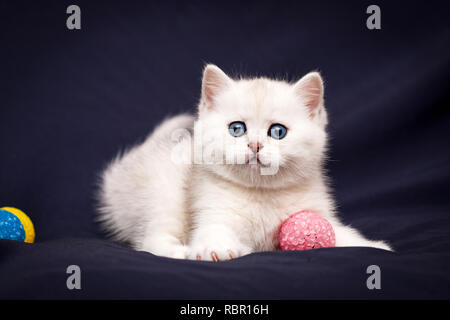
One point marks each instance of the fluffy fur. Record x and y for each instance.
(192, 190)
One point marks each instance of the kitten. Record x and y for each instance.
(219, 185)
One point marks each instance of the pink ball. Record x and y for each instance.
(306, 230)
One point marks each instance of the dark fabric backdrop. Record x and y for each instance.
(70, 100)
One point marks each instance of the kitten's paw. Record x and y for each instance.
(217, 252)
(180, 252)
(175, 251)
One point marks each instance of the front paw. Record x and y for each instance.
(217, 251)
(164, 249)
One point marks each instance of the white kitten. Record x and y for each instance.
(219, 185)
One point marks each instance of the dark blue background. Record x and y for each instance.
(70, 100)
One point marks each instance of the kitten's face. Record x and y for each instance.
(261, 132)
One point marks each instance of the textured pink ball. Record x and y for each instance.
(306, 230)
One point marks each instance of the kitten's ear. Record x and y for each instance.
(310, 90)
(214, 81)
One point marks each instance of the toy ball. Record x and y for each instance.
(15, 225)
(306, 230)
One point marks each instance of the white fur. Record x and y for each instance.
(168, 197)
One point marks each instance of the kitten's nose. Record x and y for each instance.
(255, 147)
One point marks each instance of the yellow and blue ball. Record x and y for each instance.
(15, 225)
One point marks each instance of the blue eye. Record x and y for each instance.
(237, 128)
(277, 131)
